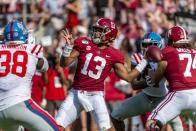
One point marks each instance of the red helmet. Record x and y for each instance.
(177, 34)
(109, 30)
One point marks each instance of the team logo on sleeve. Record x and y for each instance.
(88, 48)
(85, 42)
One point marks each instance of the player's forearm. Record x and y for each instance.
(123, 74)
(132, 75)
(139, 85)
(68, 55)
(128, 76)
(137, 70)
(65, 61)
(156, 78)
(159, 73)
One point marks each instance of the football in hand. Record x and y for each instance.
(154, 54)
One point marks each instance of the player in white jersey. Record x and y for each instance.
(150, 97)
(18, 62)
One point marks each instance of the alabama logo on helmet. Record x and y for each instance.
(177, 34)
(109, 31)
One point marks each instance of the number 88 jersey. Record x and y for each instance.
(17, 66)
(94, 64)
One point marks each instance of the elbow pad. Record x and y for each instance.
(45, 65)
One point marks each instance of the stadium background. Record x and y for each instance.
(45, 20)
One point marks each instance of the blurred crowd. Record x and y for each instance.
(45, 20)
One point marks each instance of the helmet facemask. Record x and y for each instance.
(95, 30)
(102, 35)
(146, 45)
(149, 39)
(107, 30)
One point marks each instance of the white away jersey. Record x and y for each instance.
(151, 91)
(154, 91)
(17, 66)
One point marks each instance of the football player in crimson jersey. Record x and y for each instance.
(150, 97)
(178, 67)
(96, 58)
(18, 62)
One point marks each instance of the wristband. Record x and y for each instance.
(140, 67)
(67, 50)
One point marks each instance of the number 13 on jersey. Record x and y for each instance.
(99, 68)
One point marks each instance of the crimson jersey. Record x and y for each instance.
(37, 87)
(94, 64)
(55, 88)
(180, 71)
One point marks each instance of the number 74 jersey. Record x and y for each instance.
(181, 69)
(94, 64)
(17, 66)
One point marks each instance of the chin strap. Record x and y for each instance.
(97, 41)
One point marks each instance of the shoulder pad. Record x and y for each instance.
(167, 49)
(81, 42)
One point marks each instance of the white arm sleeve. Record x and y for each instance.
(45, 65)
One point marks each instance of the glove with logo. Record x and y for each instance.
(149, 81)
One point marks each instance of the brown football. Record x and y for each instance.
(154, 54)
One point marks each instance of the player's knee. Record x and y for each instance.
(116, 120)
(113, 119)
(156, 126)
(118, 124)
(112, 115)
